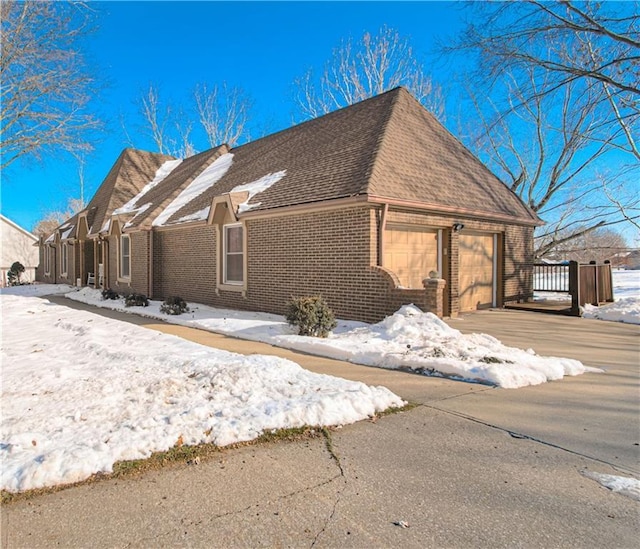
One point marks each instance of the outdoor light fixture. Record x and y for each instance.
(457, 227)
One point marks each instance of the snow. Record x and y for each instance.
(409, 339)
(67, 232)
(626, 293)
(36, 290)
(80, 392)
(160, 175)
(625, 486)
(256, 187)
(209, 177)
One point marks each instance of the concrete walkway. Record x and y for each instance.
(472, 466)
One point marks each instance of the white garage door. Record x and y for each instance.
(411, 253)
(477, 271)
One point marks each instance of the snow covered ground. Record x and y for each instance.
(409, 339)
(79, 393)
(626, 307)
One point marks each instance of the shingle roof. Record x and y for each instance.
(131, 172)
(387, 146)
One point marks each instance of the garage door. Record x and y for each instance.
(411, 253)
(477, 257)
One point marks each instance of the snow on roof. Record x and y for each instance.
(209, 177)
(66, 233)
(161, 174)
(106, 226)
(256, 187)
(200, 215)
(51, 237)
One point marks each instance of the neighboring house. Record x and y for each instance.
(359, 205)
(18, 244)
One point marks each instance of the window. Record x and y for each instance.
(125, 256)
(233, 254)
(63, 259)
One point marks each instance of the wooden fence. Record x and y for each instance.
(586, 283)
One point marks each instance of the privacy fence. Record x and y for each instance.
(586, 283)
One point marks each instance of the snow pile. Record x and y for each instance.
(84, 393)
(625, 486)
(422, 342)
(408, 339)
(624, 310)
(256, 187)
(209, 177)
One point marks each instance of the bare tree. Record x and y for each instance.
(157, 119)
(223, 112)
(562, 124)
(596, 245)
(552, 153)
(53, 219)
(369, 67)
(46, 84)
(594, 43)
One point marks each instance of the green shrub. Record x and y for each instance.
(108, 293)
(174, 305)
(311, 315)
(14, 274)
(136, 300)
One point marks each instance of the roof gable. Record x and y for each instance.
(132, 171)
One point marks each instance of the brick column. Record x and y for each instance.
(434, 299)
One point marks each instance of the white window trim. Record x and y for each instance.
(122, 277)
(64, 259)
(234, 283)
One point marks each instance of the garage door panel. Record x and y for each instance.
(411, 253)
(476, 265)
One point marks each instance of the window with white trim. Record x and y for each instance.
(125, 256)
(233, 254)
(63, 258)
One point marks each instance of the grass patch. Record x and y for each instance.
(181, 454)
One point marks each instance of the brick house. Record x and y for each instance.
(360, 205)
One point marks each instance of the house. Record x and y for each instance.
(18, 244)
(371, 206)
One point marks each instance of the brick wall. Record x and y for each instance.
(184, 263)
(333, 253)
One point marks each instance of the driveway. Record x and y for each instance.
(471, 466)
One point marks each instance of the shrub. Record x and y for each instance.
(14, 273)
(311, 315)
(174, 305)
(108, 293)
(136, 300)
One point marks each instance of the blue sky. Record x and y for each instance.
(262, 47)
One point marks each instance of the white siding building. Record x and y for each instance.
(17, 245)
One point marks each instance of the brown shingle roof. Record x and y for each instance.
(388, 146)
(131, 172)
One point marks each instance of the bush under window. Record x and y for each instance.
(136, 300)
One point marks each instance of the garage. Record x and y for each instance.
(477, 267)
(411, 253)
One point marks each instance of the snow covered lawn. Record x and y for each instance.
(409, 339)
(626, 307)
(80, 392)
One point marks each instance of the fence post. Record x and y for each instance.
(609, 275)
(596, 281)
(574, 287)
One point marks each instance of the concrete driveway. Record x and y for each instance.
(471, 466)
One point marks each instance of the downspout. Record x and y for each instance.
(383, 226)
(150, 266)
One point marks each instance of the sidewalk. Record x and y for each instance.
(450, 467)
